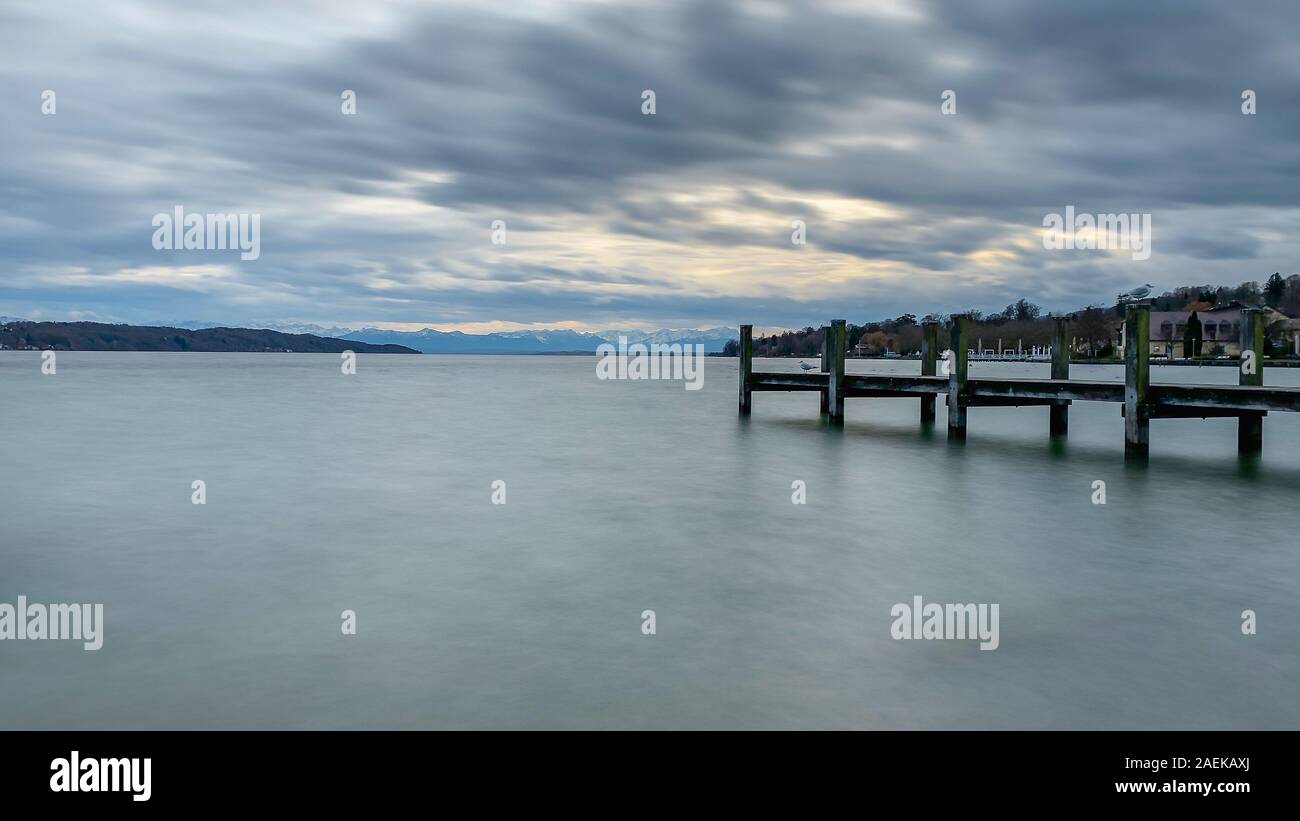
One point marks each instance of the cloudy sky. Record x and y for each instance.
(531, 113)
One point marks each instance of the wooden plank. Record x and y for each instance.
(1137, 381)
(1010, 402)
(1232, 397)
(1083, 390)
(888, 393)
(1181, 412)
(896, 382)
(788, 381)
(1240, 397)
(929, 366)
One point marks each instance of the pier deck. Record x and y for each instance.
(1139, 400)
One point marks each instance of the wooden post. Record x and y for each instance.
(1137, 379)
(929, 363)
(1250, 426)
(746, 366)
(835, 384)
(957, 373)
(826, 368)
(1060, 421)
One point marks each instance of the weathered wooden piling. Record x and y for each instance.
(746, 366)
(825, 367)
(1060, 410)
(929, 363)
(1137, 381)
(1250, 426)
(957, 376)
(836, 342)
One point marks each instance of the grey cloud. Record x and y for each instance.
(1112, 107)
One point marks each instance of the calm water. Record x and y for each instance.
(372, 492)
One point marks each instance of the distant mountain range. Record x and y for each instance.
(430, 340)
(299, 337)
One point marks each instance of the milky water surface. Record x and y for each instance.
(373, 492)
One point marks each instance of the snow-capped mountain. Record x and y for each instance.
(539, 341)
(711, 338)
(430, 340)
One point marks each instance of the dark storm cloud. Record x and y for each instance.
(766, 113)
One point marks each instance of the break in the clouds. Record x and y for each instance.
(531, 113)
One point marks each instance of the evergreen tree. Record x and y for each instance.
(1192, 337)
(1274, 289)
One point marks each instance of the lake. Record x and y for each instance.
(373, 493)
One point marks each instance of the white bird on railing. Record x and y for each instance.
(1137, 294)
(806, 366)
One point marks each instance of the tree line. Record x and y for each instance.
(1094, 328)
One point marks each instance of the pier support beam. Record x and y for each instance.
(836, 341)
(1137, 381)
(929, 363)
(825, 368)
(1060, 421)
(1250, 427)
(746, 366)
(957, 375)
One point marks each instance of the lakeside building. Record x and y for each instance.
(1220, 330)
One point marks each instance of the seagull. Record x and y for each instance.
(1137, 294)
(805, 365)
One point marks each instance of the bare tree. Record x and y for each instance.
(1093, 326)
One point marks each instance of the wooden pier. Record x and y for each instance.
(1139, 400)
